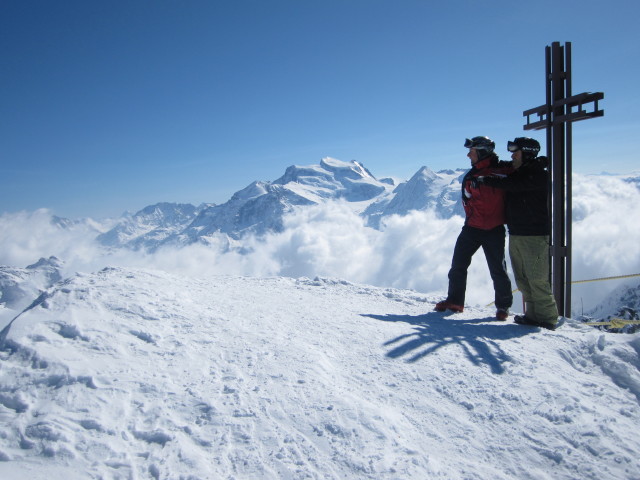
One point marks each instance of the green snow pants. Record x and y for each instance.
(530, 263)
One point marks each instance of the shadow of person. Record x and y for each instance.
(432, 331)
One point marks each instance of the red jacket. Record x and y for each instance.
(484, 205)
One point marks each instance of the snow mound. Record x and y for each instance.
(141, 374)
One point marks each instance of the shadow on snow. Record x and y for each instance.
(432, 331)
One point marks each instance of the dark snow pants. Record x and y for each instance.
(468, 243)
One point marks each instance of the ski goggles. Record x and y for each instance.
(512, 146)
(479, 143)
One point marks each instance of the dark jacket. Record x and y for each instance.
(526, 201)
(484, 204)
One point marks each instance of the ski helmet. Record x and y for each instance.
(483, 145)
(529, 146)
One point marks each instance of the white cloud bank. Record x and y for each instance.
(413, 251)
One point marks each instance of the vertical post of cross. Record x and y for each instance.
(560, 177)
(557, 116)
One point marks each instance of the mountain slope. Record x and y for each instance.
(20, 286)
(426, 189)
(141, 374)
(261, 206)
(333, 179)
(255, 209)
(622, 303)
(150, 226)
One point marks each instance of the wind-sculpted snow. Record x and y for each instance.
(130, 373)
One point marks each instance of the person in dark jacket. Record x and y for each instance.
(483, 227)
(528, 222)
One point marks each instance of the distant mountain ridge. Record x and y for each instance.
(149, 226)
(261, 206)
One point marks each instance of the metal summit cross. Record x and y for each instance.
(557, 116)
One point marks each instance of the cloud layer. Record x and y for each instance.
(329, 240)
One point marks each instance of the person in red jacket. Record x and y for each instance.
(483, 227)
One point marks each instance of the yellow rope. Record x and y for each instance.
(590, 280)
(608, 278)
(615, 323)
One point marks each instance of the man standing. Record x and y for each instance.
(483, 227)
(528, 222)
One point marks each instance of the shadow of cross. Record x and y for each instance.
(432, 331)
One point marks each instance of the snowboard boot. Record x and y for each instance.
(524, 320)
(447, 305)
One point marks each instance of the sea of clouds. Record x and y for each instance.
(330, 240)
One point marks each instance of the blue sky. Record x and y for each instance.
(112, 106)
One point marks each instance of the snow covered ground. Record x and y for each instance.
(136, 374)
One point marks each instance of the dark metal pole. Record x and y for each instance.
(558, 175)
(547, 79)
(569, 180)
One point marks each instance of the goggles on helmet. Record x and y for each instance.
(480, 143)
(527, 145)
(513, 147)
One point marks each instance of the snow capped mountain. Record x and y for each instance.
(426, 189)
(261, 206)
(256, 209)
(128, 373)
(20, 286)
(623, 303)
(149, 226)
(333, 179)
